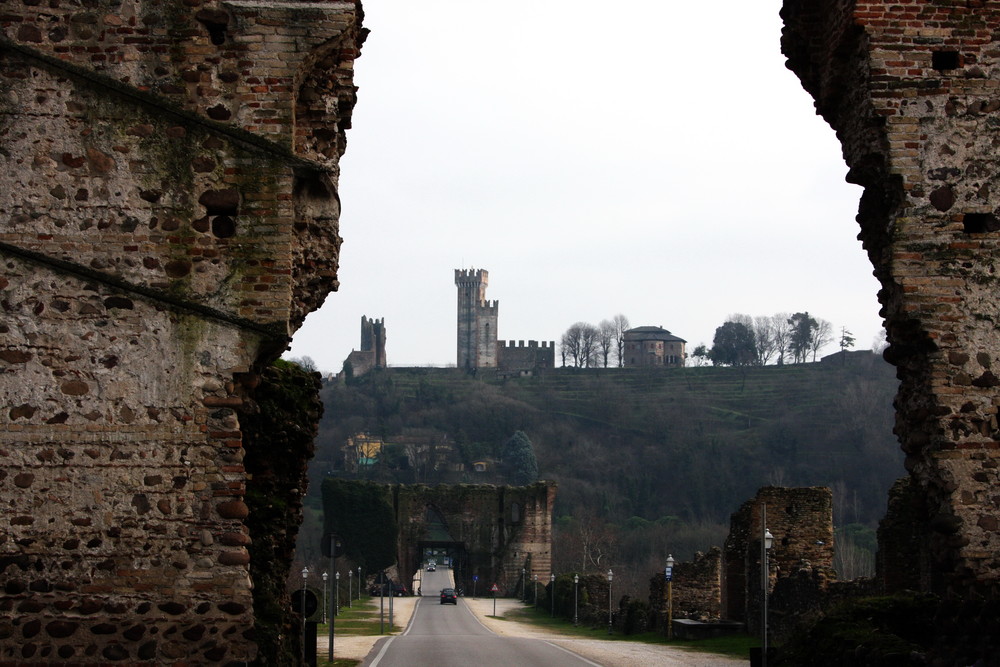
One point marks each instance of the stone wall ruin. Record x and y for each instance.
(168, 216)
(913, 90)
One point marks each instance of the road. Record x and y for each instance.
(444, 635)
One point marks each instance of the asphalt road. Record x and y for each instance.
(445, 635)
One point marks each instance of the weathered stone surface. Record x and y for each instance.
(127, 303)
(911, 91)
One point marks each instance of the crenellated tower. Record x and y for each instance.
(477, 321)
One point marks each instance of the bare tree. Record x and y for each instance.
(822, 336)
(306, 363)
(606, 340)
(581, 343)
(589, 345)
(763, 332)
(880, 342)
(571, 343)
(782, 335)
(621, 326)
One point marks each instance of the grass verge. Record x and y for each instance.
(736, 646)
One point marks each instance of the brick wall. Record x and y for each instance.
(912, 91)
(801, 522)
(169, 216)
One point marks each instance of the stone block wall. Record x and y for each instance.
(913, 92)
(801, 522)
(500, 529)
(696, 589)
(534, 357)
(168, 216)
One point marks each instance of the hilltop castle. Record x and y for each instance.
(478, 346)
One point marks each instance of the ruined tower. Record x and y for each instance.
(912, 92)
(372, 352)
(477, 321)
(373, 340)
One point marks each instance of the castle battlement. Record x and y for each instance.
(472, 277)
(531, 343)
(489, 307)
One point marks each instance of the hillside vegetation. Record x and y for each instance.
(637, 448)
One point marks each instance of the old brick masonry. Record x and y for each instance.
(168, 216)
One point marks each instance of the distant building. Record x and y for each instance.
(372, 352)
(653, 347)
(361, 452)
(478, 346)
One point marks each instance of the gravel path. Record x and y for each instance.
(605, 653)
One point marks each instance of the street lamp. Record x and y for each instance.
(359, 582)
(336, 599)
(535, 578)
(305, 576)
(552, 594)
(611, 575)
(524, 595)
(331, 628)
(668, 574)
(576, 599)
(324, 597)
(766, 542)
(350, 592)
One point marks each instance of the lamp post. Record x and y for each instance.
(305, 576)
(359, 582)
(552, 595)
(350, 592)
(324, 597)
(611, 575)
(535, 579)
(576, 599)
(336, 598)
(331, 628)
(767, 539)
(524, 593)
(668, 574)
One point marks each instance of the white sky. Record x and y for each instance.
(644, 157)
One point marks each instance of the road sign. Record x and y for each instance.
(494, 588)
(475, 577)
(669, 573)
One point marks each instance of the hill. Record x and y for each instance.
(689, 444)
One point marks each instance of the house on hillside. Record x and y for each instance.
(361, 452)
(653, 347)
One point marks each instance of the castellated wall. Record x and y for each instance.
(516, 356)
(913, 90)
(168, 216)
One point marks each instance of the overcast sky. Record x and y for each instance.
(642, 157)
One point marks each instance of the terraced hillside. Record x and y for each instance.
(689, 443)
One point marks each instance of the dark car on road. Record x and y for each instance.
(449, 596)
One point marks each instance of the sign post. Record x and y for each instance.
(494, 589)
